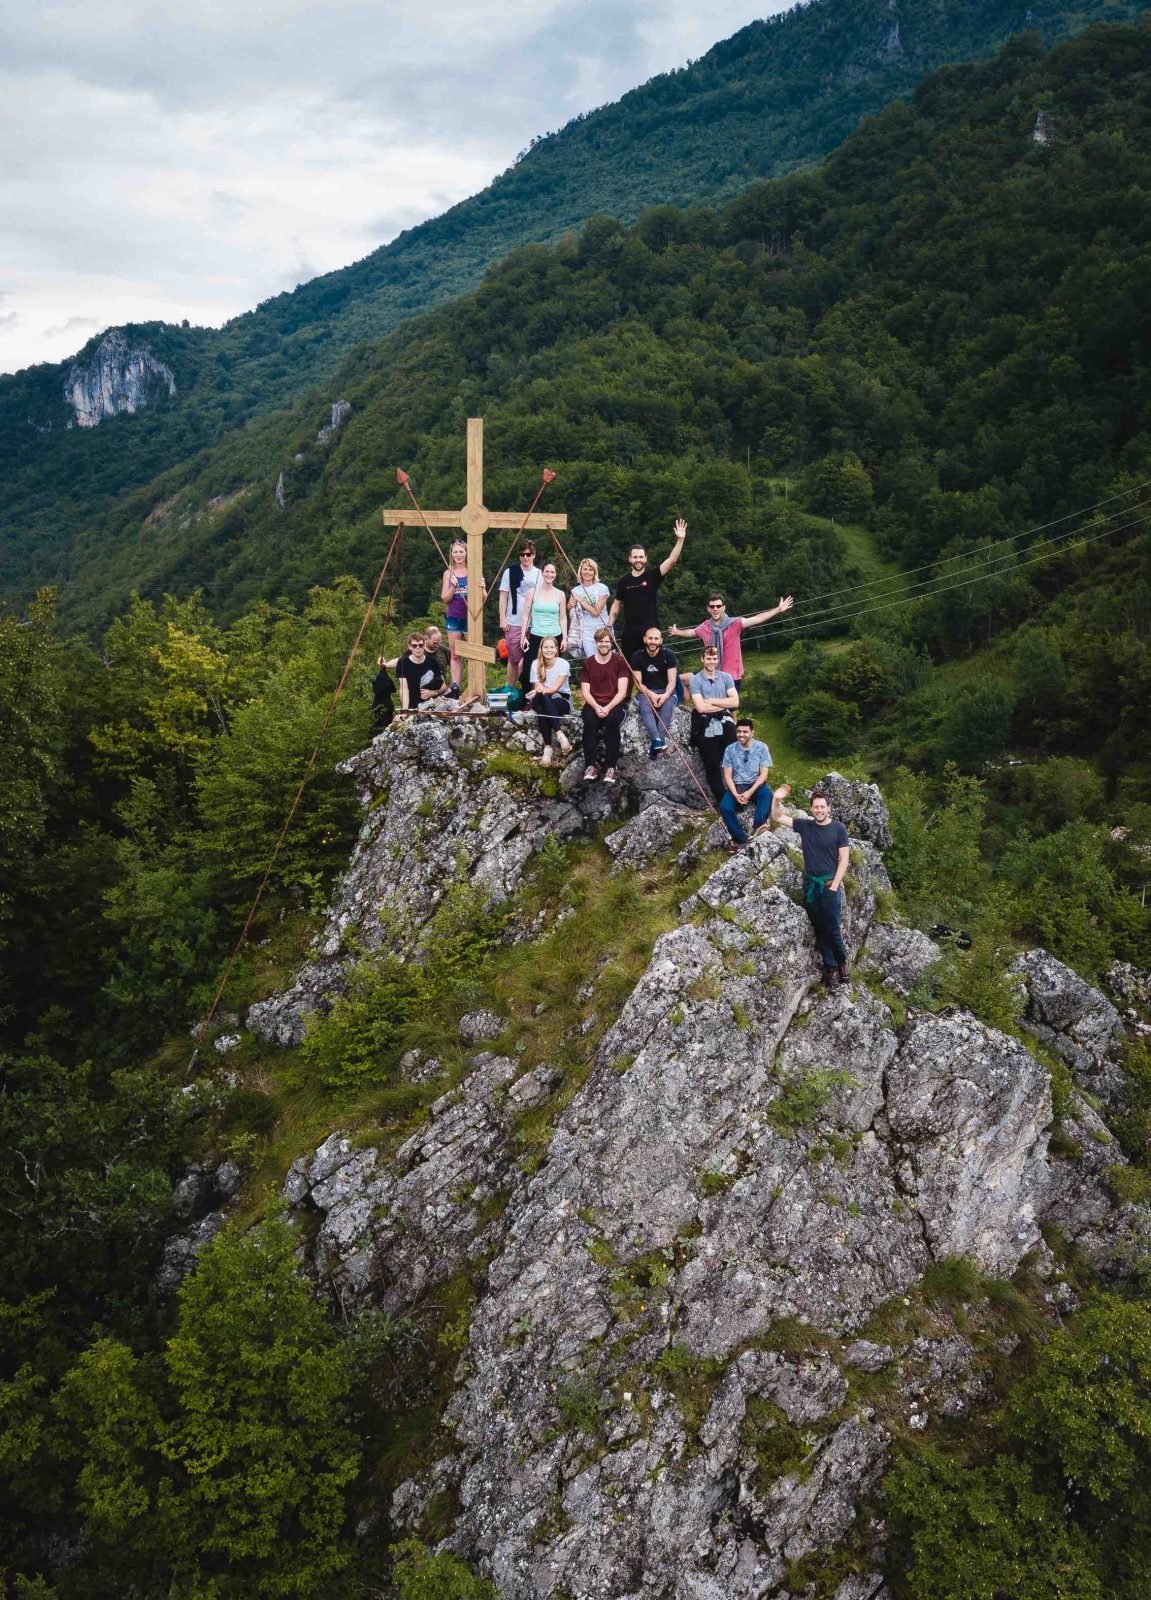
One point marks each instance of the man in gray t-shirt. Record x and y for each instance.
(715, 701)
(826, 858)
(746, 769)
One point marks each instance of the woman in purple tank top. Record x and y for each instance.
(454, 594)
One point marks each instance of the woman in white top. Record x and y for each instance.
(588, 607)
(550, 698)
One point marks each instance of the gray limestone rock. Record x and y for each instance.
(1079, 1023)
(478, 1026)
(866, 1356)
(118, 377)
(652, 834)
(967, 1107)
(181, 1250)
(340, 411)
(903, 955)
(748, 1154)
(440, 810)
(390, 1230)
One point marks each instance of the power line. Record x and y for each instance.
(980, 561)
(898, 577)
(972, 577)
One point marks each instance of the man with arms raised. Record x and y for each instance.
(746, 770)
(726, 632)
(826, 858)
(605, 682)
(638, 594)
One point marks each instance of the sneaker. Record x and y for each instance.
(590, 774)
(652, 751)
(609, 775)
(658, 746)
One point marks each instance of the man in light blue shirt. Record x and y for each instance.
(746, 768)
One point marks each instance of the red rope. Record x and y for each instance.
(312, 759)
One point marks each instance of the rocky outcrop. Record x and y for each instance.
(118, 377)
(1075, 1020)
(902, 955)
(452, 800)
(702, 1312)
(339, 414)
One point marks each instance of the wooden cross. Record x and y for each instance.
(475, 519)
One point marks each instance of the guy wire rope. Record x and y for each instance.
(308, 769)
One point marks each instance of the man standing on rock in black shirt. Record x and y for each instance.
(638, 594)
(826, 858)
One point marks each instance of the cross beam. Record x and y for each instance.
(475, 520)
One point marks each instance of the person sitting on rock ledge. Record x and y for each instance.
(746, 770)
(655, 671)
(550, 698)
(826, 858)
(420, 679)
(605, 683)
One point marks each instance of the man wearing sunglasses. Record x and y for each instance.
(725, 632)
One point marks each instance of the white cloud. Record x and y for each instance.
(188, 158)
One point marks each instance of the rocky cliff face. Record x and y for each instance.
(118, 377)
(703, 1320)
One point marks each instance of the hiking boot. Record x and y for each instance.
(828, 977)
(610, 775)
(590, 774)
(844, 975)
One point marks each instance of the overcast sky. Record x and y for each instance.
(189, 158)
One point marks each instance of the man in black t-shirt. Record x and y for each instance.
(420, 679)
(638, 594)
(826, 858)
(655, 672)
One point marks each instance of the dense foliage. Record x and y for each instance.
(777, 96)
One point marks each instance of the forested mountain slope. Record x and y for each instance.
(776, 96)
(941, 331)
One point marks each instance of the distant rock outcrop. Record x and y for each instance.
(340, 412)
(118, 377)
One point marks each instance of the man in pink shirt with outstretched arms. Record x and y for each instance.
(725, 632)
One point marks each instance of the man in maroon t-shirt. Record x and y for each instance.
(605, 683)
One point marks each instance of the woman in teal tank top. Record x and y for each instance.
(545, 617)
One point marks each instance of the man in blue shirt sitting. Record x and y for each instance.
(746, 769)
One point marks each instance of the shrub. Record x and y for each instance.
(822, 724)
(419, 1575)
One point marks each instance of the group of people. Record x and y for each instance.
(619, 644)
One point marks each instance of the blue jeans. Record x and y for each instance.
(729, 811)
(657, 723)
